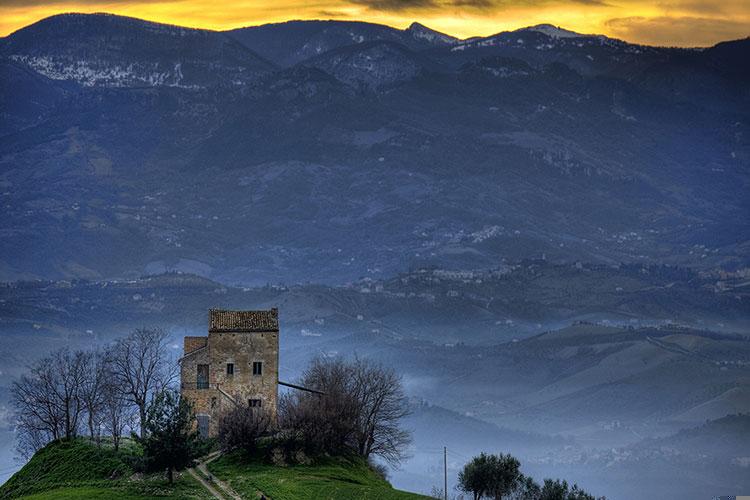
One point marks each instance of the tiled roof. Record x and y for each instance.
(220, 320)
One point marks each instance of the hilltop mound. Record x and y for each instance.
(64, 463)
(80, 469)
(335, 478)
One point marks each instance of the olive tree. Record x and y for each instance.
(494, 476)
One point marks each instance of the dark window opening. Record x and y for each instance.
(202, 377)
(254, 403)
(230, 368)
(257, 368)
(203, 421)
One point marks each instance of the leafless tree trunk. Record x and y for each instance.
(92, 389)
(141, 364)
(62, 376)
(117, 410)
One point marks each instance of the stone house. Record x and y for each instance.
(236, 364)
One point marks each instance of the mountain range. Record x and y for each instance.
(326, 151)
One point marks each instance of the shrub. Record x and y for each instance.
(241, 427)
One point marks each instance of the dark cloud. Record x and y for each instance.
(683, 31)
(480, 5)
(502, 4)
(112, 4)
(398, 5)
(474, 4)
(329, 14)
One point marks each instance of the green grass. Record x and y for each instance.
(335, 479)
(184, 487)
(80, 469)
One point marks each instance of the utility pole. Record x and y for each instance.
(445, 472)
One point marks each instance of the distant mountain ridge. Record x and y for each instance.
(291, 42)
(119, 51)
(328, 151)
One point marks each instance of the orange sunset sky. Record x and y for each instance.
(656, 22)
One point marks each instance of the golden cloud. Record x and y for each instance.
(665, 22)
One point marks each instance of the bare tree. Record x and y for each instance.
(360, 410)
(116, 412)
(322, 423)
(96, 371)
(62, 376)
(38, 419)
(141, 364)
(48, 402)
(241, 427)
(382, 405)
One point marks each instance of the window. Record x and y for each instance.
(202, 382)
(203, 422)
(257, 367)
(213, 402)
(230, 368)
(253, 403)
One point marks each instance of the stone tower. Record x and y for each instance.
(236, 364)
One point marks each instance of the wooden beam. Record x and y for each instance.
(300, 388)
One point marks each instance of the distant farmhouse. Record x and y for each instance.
(236, 364)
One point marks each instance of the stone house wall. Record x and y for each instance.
(241, 349)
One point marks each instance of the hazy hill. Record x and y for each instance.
(710, 459)
(250, 156)
(433, 305)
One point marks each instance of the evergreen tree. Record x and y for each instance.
(171, 441)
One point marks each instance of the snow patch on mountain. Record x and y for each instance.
(94, 73)
(503, 71)
(554, 31)
(422, 32)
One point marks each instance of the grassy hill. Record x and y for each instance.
(332, 479)
(79, 469)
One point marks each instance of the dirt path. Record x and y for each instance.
(213, 480)
(205, 484)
